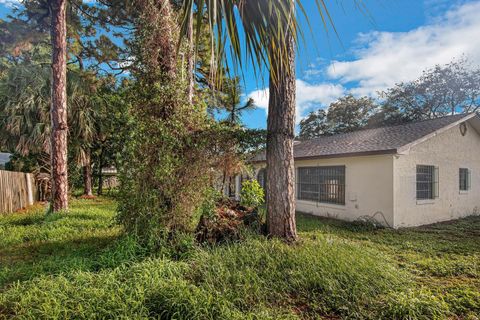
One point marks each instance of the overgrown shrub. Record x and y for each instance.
(252, 194)
(169, 163)
(165, 170)
(175, 148)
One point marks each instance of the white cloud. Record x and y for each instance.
(261, 98)
(10, 3)
(309, 96)
(391, 57)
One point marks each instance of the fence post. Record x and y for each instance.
(29, 188)
(17, 190)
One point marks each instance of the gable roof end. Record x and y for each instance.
(466, 117)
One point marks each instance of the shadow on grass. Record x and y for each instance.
(83, 239)
(29, 260)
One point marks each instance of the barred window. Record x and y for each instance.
(464, 179)
(321, 184)
(427, 182)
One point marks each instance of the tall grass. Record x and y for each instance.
(80, 265)
(257, 277)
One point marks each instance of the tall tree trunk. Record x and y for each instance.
(166, 37)
(158, 48)
(280, 192)
(87, 175)
(100, 174)
(58, 111)
(191, 60)
(100, 183)
(232, 114)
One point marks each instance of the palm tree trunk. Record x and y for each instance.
(58, 111)
(87, 175)
(280, 193)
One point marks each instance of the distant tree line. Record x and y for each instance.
(439, 91)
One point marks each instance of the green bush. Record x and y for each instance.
(252, 194)
(209, 204)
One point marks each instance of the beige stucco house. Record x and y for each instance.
(405, 175)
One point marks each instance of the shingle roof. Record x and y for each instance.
(382, 140)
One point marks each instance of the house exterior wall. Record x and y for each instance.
(449, 151)
(368, 188)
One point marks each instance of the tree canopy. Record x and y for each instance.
(439, 91)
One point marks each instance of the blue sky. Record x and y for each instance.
(404, 38)
(393, 43)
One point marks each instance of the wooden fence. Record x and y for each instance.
(17, 190)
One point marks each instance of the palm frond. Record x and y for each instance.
(25, 109)
(255, 30)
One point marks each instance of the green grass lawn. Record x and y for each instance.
(80, 265)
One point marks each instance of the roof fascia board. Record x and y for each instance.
(342, 155)
(351, 154)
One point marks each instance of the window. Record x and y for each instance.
(321, 184)
(465, 179)
(262, 178)
(427, 182)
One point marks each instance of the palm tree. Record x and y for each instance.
(270, 30)
(83, 123)
(24, 108)
(25, 102)
(59, 105)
